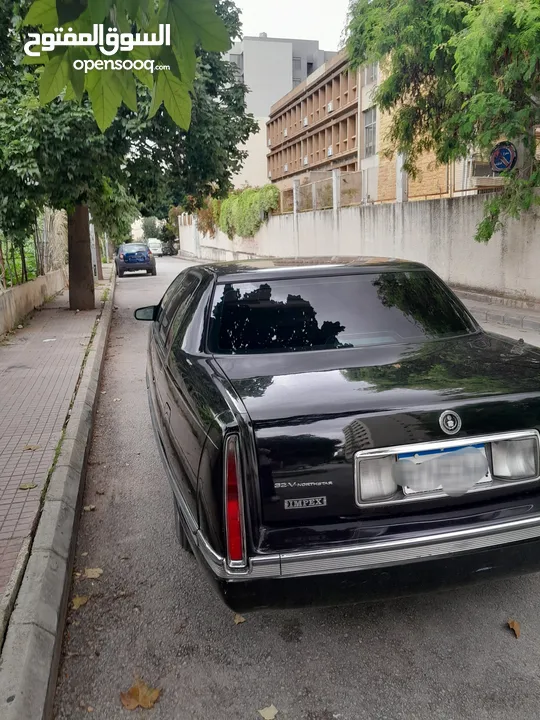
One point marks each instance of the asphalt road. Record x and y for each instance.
(153, 613)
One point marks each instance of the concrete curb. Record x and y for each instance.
(32, 648)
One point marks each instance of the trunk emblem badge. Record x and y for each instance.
(450, 422)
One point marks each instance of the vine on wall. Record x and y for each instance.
(242, 213)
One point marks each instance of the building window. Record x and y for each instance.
(370, 132)
(370, 73)
(297, 64)
(309, 68)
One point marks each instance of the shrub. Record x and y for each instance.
(243, 213)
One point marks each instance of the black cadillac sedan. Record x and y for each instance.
(340, 430)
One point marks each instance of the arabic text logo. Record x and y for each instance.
(109, 43)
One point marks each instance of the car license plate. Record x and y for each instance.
(461, 469)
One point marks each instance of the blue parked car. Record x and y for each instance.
(134, 257)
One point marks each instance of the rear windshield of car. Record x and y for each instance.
(131, 248)
(324, 313)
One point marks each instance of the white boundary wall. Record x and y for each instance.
(439, 233)
(20, 300)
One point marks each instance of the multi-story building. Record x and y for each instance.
(330, 121)
(270, 67)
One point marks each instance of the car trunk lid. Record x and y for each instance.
(312, 412)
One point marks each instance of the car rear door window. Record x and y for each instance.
(324, 313)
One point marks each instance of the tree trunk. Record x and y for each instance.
(110, 249)
(24, 269)
(2, 268)
(98, 256)
(81, 276)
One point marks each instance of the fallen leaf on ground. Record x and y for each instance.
(93, 573)
(50, 340)
(27, 486)
(19, 327)
(89, 508)
(103, 392)
(397, 366)
(140, 695)
(77, 574)
(100, 492)
(90, 708)
(79, 601)
(116, 400)
(238, 619)
(269, 713)
(32, 448)
(84, 554)
(515, 626)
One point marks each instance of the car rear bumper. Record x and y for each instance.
(376, 570)
(134, 267)
(373, 584)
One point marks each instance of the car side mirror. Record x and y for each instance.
(147, 314)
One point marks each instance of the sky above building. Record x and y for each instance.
(303, 19)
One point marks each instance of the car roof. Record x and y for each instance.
(267, 268)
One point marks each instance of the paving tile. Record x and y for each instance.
(35, 401)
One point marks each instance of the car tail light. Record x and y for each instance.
(515, 459)
(236, 546)
(149, 252)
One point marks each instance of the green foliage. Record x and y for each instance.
(194, 24)
(55, 155)
(243, 213)
(113, 210)
(150, 227)
(172, 167)
(460, 75)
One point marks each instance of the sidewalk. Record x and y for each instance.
(39, 369)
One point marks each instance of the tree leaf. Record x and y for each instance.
(99, 9)
(69, 10)
(203, 21)
(105, 94)
(93, 573)
(129, 89)
(158, 95)
(515, 626)
(177, 99)
(42, 13)
(79, 601)
(77, 77)
(70, 93)
(269, 713)
(54, 79)
(140, 695)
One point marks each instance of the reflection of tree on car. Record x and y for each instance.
(462, 363)
(264, 324)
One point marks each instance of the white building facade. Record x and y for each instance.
(271, 68)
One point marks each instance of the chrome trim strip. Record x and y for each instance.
(400, 551)
(377, 554)
(377, 453)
